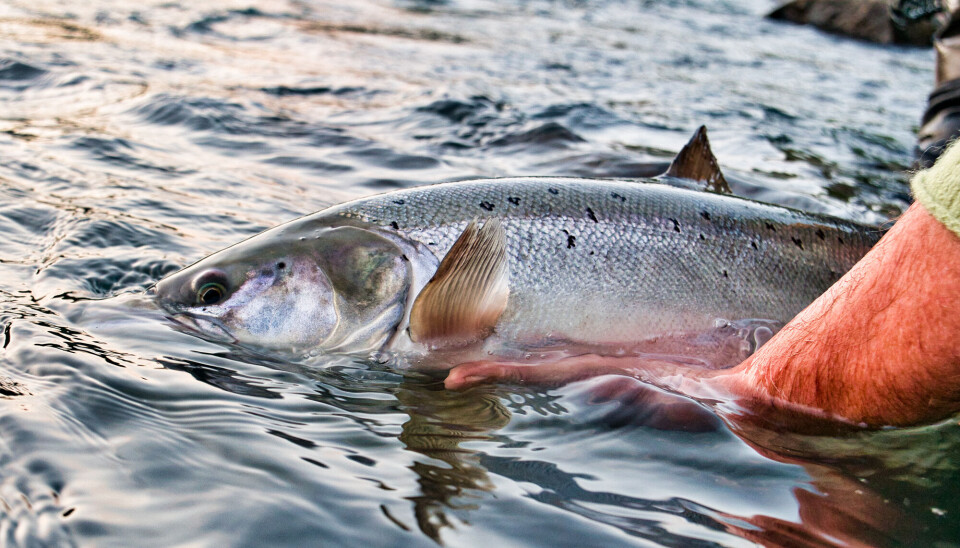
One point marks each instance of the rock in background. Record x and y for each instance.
(861, 19)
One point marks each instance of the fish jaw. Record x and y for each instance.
(208, 327)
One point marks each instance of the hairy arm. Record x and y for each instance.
(880, 346)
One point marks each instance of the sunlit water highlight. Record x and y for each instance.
(138, 137)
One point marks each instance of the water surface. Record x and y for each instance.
(137, 137)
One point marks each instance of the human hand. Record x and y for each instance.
(560, 372)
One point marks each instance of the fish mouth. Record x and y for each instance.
(204, 326)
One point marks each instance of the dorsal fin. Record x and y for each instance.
(465, 298)
(697, 162)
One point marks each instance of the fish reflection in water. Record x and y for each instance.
(833, 506)
(440, 421)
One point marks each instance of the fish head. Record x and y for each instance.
(339, 288)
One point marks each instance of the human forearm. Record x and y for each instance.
(880, 347)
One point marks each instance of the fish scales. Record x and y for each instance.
(609, 262)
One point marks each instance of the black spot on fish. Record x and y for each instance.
(399, 202)
(571, 240)
(616, 196)
(591, 215)
(553, 191)
(725, 275)
(702, 237)
(281, 265)
(754, 245)
(705, 215)
(591, 252)
(797, 241)
(839, 239)
(771, 227)
(676, 225)
(514, 200)
(820, 234)
(487, 205)
(394, 225)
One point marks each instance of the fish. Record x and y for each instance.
(524, 268)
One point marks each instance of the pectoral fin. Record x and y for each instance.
(697, 163)
(465, 298)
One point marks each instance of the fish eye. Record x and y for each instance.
(211, 293)
(212, 287)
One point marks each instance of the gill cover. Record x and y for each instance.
(371, 279)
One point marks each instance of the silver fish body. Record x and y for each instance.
(597, 263)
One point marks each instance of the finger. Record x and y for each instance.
(557, 373)
(474, 373)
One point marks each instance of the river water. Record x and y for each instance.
(137, 137)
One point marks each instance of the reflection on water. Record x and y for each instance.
(136, 138)
(440, 421)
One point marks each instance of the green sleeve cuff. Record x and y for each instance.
(938, 188)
